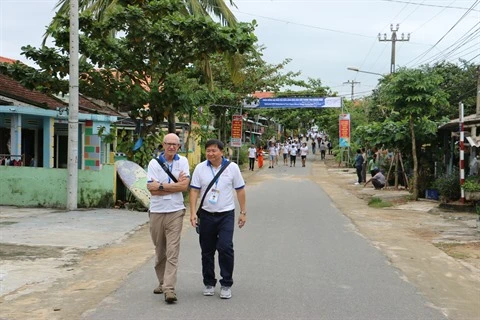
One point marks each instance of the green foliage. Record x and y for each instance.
(142, 64)
(472, 184)
(376, 202)
(459, 83)
(143, 155)
(448, 187)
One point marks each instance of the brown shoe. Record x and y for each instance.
(158, 290)
(170, 297)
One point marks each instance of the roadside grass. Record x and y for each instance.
(376, 202)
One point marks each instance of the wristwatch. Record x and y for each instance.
(243, 212)
(160, 187)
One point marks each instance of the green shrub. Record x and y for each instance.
(472, 184)
(378, 203)
(448, 187)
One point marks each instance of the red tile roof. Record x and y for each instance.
(6, 60)
(263, 94)
(14, 90)
(89, 106)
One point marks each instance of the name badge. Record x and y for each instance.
(214, 194)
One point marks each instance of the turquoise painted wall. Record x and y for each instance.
(43, 187)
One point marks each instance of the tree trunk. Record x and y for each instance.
(415, 161)
(187, 138)
(171, 122)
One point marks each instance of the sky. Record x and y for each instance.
(322, 38)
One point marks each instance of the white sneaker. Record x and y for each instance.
(225, 293)
(209, 291)
(356, 183)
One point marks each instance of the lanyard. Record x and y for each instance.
(170, 167)
(213, 174)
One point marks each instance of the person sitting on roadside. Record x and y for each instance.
(378, 180)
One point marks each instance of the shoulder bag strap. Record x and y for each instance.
(167, 170)
(212, 182)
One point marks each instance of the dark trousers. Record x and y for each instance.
(359, 174)
(216, 234)
(251, 163)
(377, 184)
(293, 159)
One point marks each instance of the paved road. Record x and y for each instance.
(298, 257)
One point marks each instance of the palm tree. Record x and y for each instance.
(212, 8)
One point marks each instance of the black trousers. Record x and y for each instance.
(251, 163)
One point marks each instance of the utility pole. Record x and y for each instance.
(393, 39)
(478, 91)
(353, 85)
(72, 166)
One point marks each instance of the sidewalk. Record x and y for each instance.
(36, 242)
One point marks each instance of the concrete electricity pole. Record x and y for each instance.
(478, 91)
(353, 85)
(393, 39)
(72, 165)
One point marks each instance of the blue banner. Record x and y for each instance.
(295, 103)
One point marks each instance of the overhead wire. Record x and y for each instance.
(428, 5)
(457, 45)
(421, 56)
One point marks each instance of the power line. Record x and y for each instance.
(303, 25)
(421, 56)
(426, 5)
(461, 42)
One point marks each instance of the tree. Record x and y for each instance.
(155, 42)
(460, 83)
(100, 8)
(414, 94)
(230, 91)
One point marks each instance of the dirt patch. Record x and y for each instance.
(457, 249)
(21, 252)
(469, 252)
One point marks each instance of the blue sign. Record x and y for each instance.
(295, 103)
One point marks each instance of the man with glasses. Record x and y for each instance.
(166, 212)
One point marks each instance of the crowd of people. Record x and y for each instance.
(289, 151)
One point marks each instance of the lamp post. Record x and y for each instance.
(358, 70)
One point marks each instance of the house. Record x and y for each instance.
(34, 148)
(450, 133)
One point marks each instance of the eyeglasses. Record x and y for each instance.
(168, 144)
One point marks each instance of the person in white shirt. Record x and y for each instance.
(252, 155)
(217, 215)
(285, 154)
(277, 152)
(166, 212)
(272, 152)
(303, 153)
(293, 154)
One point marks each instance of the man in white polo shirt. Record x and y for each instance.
(217, 215)
(166, 212)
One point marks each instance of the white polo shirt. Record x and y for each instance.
(252, 152)
(174, 201)
(231, 178)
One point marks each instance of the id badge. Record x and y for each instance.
(213, 198)
(167, 197)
